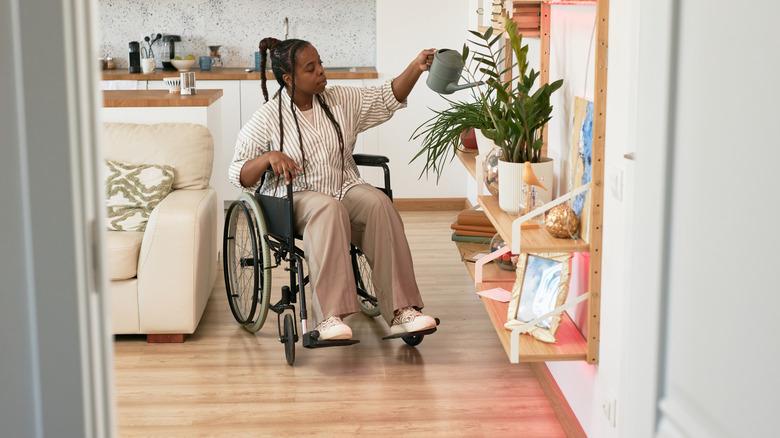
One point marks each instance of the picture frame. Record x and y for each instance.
(542, 285)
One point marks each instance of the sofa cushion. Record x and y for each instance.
(132, 192)
(123, 249)
(187, 147)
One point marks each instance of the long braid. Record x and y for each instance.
(340, 135)
(283, 62)
(294, 49)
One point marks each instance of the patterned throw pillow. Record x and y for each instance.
(132, 192)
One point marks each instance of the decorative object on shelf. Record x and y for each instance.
(183, 64)
(507, 261)
(216, 58)
(469, 139)
(134, 57)
(204, 62)
(562, 222)
(530, 183)
(173, 84)
(110, 64)
(187, 83)
(541, 287)
(581, 157)
(490, 169)
(147, 65)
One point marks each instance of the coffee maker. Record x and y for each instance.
(134, 58)
(169, 50)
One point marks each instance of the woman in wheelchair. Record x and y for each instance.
(304, 137)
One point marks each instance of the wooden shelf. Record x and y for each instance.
(469, 160)
(534, 240)
(570, 344)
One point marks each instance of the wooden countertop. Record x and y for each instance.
(226, 74)
(157, 98)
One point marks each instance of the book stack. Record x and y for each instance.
(472, 226)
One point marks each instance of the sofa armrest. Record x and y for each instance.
(177, 265)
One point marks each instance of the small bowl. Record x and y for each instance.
(173, 84)
(183, 64)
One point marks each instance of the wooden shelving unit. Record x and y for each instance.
(533, 18)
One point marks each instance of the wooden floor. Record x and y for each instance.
(224, 381)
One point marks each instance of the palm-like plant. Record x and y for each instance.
(505, 110)
(518, 117)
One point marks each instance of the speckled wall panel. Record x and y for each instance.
(344, 31)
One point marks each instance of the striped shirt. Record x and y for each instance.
(356, 109)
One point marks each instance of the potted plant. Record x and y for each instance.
(517, 113)
(506, 113)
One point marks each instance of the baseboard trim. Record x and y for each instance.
(430, 204)
(571, 426)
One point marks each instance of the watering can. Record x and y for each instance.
(445, 72)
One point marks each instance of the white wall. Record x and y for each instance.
(587, 387)
(404, 28)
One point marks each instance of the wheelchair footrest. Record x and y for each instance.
(418, 333)
(312, 340)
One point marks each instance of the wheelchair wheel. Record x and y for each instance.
(365, 282)
(413, 340)
(245, 259)
(289, 339)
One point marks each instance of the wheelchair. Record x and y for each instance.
(259, 235)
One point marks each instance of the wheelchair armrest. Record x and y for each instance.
(370, 160)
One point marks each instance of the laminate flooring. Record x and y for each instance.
(224, 381)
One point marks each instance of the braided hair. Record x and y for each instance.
(282, 55)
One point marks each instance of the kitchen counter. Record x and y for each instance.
(158, 98)
(223, 74)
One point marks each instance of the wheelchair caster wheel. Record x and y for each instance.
(289, 339)
(413, 340)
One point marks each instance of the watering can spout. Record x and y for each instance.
(451, 88)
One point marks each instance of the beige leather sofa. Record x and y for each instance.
(161, 278)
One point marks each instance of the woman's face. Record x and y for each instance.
(309, 73)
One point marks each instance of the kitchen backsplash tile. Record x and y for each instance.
(344, 31)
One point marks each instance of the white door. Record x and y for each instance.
(706, 190)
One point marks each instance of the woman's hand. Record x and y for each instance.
(283, 165)
(424, 59)
(403, 83)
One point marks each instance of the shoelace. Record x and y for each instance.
(328, 323)
(407, 314)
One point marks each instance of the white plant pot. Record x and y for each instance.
(484, 144)
(510, 184)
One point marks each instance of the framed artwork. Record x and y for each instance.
(542, 285)
(580, 159)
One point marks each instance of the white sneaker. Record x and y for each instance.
(409, 319)
(333, 328)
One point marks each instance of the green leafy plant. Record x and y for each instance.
(518, 115)
(441, 133)
(505, 109)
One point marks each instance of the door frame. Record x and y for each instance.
(644, 353)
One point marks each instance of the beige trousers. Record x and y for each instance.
(366, 217)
